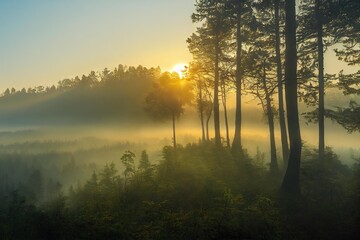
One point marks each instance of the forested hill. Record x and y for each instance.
(105, 97)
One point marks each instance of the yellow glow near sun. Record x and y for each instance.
(178, 68)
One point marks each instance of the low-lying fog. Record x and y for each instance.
(65, 157)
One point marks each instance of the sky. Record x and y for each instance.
(44, 41)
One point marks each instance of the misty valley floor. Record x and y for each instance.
(197, 191)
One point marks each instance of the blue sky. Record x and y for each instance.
(43, 42)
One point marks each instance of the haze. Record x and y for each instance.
(179, 119)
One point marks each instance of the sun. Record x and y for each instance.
(179, 68)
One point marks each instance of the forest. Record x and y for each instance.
(142, 153)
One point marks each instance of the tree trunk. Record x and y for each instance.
(174, 131)
(283, 131)
(225, 113)
(321, 112)
(207, 126)
(216, 95)
(291, 182)
(273, 160)
(201, 109)
(236, 144)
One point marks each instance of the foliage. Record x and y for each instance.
(168, 97)
(190, 194)
(128, 160)
(103, 97)
(347, 117)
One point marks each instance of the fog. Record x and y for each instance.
(89, 144)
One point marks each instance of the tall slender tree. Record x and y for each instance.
(216, 29)
(320, 48)
(240, 13)
(282, 120)
(262, 70)
(291, 181)
(347, 14)
(200, 77)
(236, 144)
(311, 35)
(167, 100)
(262, 85)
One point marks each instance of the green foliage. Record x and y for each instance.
(128, 160)
(194, 192)
(347, 117)
(105, 97)
(168, 97)
(144, 163)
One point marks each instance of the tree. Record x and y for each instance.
(224, 90)
(283, 130)
(348, 15)
(236, 144)
(345, 30)
(262, 87)
(291, 181)
(144, 163)
(127, 160)
(314, 35)
(198, 76)
(167, 99)
(7, 92)
(215, 30)
(320, 47)
(145, 167)
(241, 14)
(348, 117)
(108, 177)
(261, 71)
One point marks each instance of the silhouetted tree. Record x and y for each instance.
(348, 117)
(345, 30)
(215, 30)
(314, 33)
(7, 92)
(198, 75)
(127, 160)
(144, 161)
(291, 179)
(240, 13)
(167, 99)
(282, 120)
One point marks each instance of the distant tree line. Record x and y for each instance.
(107, 96)
(92, 80)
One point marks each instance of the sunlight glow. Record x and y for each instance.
(179, 68)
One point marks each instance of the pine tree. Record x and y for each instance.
(291, 181)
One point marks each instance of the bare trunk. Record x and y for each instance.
(225, 114)
(174, 131)
(216, 95)
(273, 160)
(283, 130)
(291, 181)
(236, 144)
(201, 109)
(321, 112)
(207, 126)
